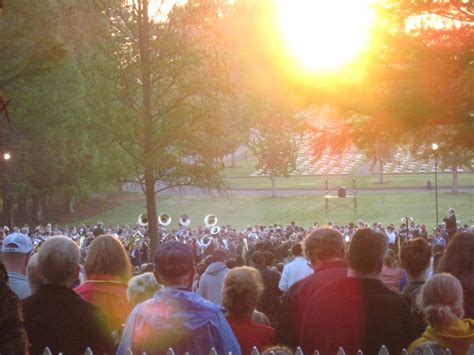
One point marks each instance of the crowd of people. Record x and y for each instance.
(274, 287)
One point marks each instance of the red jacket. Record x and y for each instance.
(109, 294)
(251, 334)
(297, 296)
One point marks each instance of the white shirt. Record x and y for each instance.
(293, 272)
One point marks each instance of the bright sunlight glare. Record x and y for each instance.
(322, 35)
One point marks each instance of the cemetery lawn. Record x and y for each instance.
(363, 182)
(251, 210)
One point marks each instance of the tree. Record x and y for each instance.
(168, 88)
(274, 144)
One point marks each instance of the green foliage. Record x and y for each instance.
(188, 88)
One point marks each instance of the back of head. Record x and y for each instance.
(258, 258)
(107, 256)
(442, 300)
(34, 278)
(390, 259)
(415, 256)
(297, 249)
(219, 255)
(58, 261)
(142, 287)
(458, 259)
(241, 289)
(324, 244)
(367, 251)
(269, 258)
(174, 264)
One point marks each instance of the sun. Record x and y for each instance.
(324, 35)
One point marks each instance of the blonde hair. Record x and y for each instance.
(58, 261)
(107, 256)
(442, 300)
(241, 290)
(142, 287)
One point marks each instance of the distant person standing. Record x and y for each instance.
(296, 270)
(450, 220)
(211, 281)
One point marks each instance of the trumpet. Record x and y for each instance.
(164, 219)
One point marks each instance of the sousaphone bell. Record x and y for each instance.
(164, 219)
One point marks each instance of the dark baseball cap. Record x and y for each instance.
(174, 259)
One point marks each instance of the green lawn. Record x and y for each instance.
(317, 182)
(243, 211)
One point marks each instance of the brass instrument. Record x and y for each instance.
(143, 220)
(184, 220)
(210, 220)
(164, 219)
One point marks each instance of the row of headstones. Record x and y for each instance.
(426, 350)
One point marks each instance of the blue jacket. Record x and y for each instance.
(178, 319)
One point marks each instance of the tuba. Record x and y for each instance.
(215, 230)
(164, 219)
(210, 220)
(404, 220)
(206, 240)
(184, 220)
(143, 220)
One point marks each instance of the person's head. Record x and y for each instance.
(366, 252)
(142, 287)
(415, 257)
(34, 278)
(323, 244)
(16, 251)
(280, 267)
(390, 259)
(58, 261)
(201, 268)
(451, 211)
(174, 264)
(107, 256)
(239, 259)
(458, 259)
(241, 290)
(269, 258)
(258, 258)
(231, 263)
(297, 249)
(219, 255)
(442, 300)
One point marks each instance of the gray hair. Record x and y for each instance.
(142, 287)
(58, 261)
(34, 278)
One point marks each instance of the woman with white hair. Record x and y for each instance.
(442, 304)
(141, 288)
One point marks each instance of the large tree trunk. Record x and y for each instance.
(274, 191)
(232, 160)
(7, 213)
(381, 171)
(69, 204)
(144, 45)
(22, 209)
(455, 185)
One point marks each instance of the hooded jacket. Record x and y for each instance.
(211, 282)
(458, 337)
(181, 320)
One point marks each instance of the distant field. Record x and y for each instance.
(317, 182)
(243, 211)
